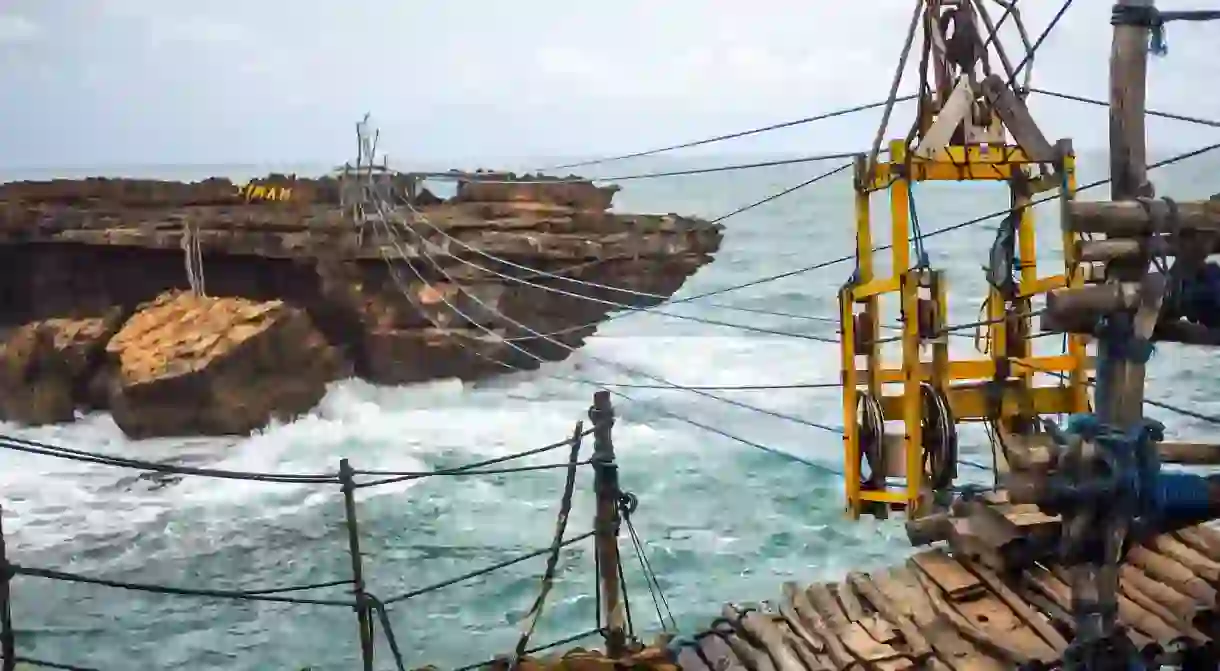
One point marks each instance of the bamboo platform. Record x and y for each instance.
(979, 602)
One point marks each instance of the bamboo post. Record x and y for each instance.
(8, 644)
(606, 523)
(346, 478)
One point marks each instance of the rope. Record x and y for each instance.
(377, 606)
(729, 136)
(193, 257)
(470, 468)
(628, 503)
(44, 449)
(1101, 103)
(31, 661)
(892, 97)
(599, 631)
(237, 595)
(1155, 19)
(484, 571)
(552, 562)
(466, 471)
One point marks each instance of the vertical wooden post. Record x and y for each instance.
(606, 523)
(1128, 92)
(8, 643)
(364, 621)
(1129, 180)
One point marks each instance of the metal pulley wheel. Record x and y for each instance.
(939, 438)
(870, 420)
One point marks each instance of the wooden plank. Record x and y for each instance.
(810, 657)
(1180, 605)
(752, 657)
(745, 654)
(863, 647)
(815, 625)
(987, 622)
(852, 608)
(1187, 556)
(766, 636)
(1207, 537)
(1060, 594)
(798, 627)
(711, 654)
(827, 606)
(1133, 615)
(1017, 119)
(1130, 217)
(1198, 454)
(879, 628)
(1172, 574)
(1186, 630)
(917, 645)
(956, 581)
(902, 586)
(1035, 620)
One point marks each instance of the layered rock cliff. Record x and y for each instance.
(291, 292)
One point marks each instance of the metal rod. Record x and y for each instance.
(353, 541)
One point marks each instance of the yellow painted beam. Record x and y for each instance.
(896, 495)
(973, 403)
(984, 369)
(885, 285)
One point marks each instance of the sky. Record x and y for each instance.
(120, 82)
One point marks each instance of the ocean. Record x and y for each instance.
(719, 519)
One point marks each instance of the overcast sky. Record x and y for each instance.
(104, 82)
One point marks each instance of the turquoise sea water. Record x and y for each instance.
(720, 520)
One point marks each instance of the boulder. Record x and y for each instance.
(190, 365)
(44, 364)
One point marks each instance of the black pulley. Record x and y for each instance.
(939, 438)
(870, 421)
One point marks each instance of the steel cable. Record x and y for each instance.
(728, 136)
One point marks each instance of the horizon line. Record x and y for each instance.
(458, 160)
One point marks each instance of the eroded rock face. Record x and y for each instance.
(45, 367)
(458, 288)
(185, 364)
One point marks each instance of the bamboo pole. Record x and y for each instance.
(346, 478)
(606, 523)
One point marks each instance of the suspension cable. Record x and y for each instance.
(423, 219)
(1029, 54)
(660, 409)
(558, 343)
(494, 178)
(45, 449)
(729, 136)
(1102, 103)
(766, 279)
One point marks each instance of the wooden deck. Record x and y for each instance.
(979, 602)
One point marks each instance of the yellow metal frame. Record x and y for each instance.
(963, 382)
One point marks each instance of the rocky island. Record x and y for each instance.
(210, 308)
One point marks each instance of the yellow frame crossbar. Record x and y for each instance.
(964, 383)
